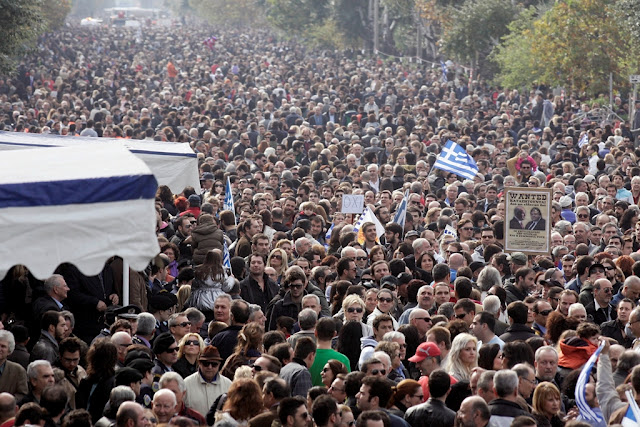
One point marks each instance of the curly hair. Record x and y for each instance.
(101, 359)
(557, 323)
(244, 399)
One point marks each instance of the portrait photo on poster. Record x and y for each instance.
(528, 220)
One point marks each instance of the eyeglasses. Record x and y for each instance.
(361, 258)
(545, 312)
(341, 390)
(382, 299)
(296, 286)
(183, 324)
(607, 290)
(257, 368)
(421, 396)
(583, 216)
(172, 350)
(354, 310)
(426, 319)
(529, 381)
(209, 363)
(191, 342)
(461, 315)
(276, 257)
(609, 268)
(304, 416)
(379, 371)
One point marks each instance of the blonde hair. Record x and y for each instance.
(187, 337)
(455, 367)
(285, 261)
(350, 300)
(543, 391)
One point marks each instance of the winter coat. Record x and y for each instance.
(204, 238)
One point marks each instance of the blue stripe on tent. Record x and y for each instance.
(77, 191)
(163, 153)
(155, 153)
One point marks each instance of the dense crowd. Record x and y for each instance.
(312, 322)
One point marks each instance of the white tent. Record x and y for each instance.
(80, 205)
(173, 164)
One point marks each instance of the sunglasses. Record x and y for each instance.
(426, 319)
(583, 216)
(354, 310)
(297, 286)
(382, 299)
(379, 371)
(326, 370)
(209, 363)
(461, 315)
(257, 368)
(361, 258)
(183, 324)
(172, 350)
(276, 257)
(545, 312)
(191, 342)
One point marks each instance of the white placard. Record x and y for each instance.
(352, 203)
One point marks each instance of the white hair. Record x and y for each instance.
(576, 306)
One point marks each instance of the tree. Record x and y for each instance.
(20, 24)
(580, 43)
(476, 28)
(227, 12)
(55, 13)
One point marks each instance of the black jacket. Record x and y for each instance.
(250, 291)
(225, 341)
(600, 317)
(284, 307)
(505, 409)
(514, 294)
(614, 329)
(432, 413)
(517, 331)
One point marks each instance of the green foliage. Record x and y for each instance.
(513, 55)
(296, 17)
(476, 28)
(351, 17)
(55, 13)
(225, 12)
(20, 24)
(627, 13)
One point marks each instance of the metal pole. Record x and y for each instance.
(376, 29)
(418, 38)
(125, 282)
(611, 90)
(632, 106)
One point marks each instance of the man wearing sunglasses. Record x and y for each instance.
(166, 351)
(483, 327)
(206, 385)
(541, 311)
(600, 309)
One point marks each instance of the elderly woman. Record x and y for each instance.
(463, 356)
(189, 349)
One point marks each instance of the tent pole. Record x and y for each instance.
(125, 282)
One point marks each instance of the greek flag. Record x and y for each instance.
(327, 237)
(455, 159)
(228, 200)
(401, 212)
(583, 140)
(444, 71)
(449, 231)
(632, 417)
(586, 412)
(367, 216)
(226, 258)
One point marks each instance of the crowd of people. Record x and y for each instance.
(311, 321)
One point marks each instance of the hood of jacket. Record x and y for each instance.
(575, 352)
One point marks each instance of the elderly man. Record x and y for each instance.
(14, 378)
(164, 405)
(56, 289)
(174, 382)
(473, 412)
(600, 309)
(204, 386)
(122, 340)
(40, 374)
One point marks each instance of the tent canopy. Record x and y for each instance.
(173, 164)
(80, 205)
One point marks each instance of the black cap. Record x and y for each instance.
(141, 365)
(162, 342)
(126, 376)
(163, 301)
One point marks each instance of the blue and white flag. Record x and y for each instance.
(455, 159)
(449, 231)
(226, 258)
(367, 216)
(327, 237)
(632, 417)
(444, 71)
(228, 200)
(401, 212)
(587, 412)
(583, 140)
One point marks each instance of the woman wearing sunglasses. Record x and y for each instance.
(189, 349)
(386, 305)
(279, 261)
